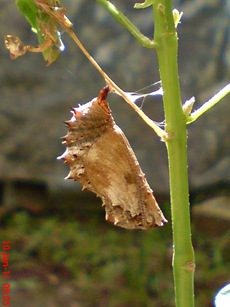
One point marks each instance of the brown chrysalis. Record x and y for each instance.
(101, 158)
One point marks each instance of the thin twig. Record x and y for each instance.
(122, 19)
(209, 104)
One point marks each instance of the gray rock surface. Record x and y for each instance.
(35, 99)
(213, 216)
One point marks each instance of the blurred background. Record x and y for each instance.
(62, 250)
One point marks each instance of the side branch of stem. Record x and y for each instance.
(122, 19)
(209, 104)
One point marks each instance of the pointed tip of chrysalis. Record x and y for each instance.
(63, 156)
(70, 124)
(162, 222)
(69, 176)
(67, 123)
(104, 93)
(76, 113)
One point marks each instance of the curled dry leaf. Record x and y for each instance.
(18, 48)
(100, 157)
(15, 46)
(43, 17)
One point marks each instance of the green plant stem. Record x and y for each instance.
(209, 104)
(121, 18)
(183, 257)
(165, 39)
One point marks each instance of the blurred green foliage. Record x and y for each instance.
(122, 268)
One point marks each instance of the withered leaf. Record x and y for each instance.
(18, 48)
(44, 24)
(15, 46)
(101, 158)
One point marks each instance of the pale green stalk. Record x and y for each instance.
(120, 17)
(165, 39)
(175, 124)
(209, 104)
